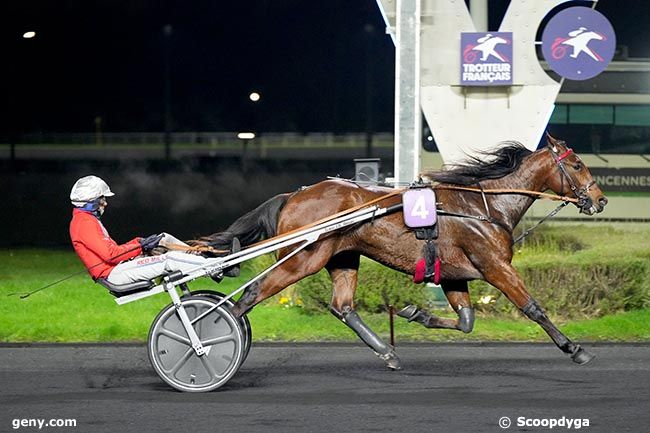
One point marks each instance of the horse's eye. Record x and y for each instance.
(577, 166)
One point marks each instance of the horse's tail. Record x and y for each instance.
(260, 223)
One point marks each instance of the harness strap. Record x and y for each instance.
(581, 198)
(463, 215)
(484, 218)
(485, 203)
(530, 229)
(564, 155)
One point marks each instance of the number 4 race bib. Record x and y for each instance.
(419, 207)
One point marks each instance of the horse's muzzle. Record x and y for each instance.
(588, 207)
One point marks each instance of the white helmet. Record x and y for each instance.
(87, 189)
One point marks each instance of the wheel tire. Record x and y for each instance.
(176, 362)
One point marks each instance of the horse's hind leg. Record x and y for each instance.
(458, 297)
(506, 279)
(303, 264)
(343, 269)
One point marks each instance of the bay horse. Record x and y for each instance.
(468, 248)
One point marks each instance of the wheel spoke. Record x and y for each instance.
(208, 367)
(181, 361)
(175, 336)
(219, 340)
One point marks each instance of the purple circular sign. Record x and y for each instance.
(578, 43)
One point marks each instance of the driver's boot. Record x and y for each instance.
(233, 271)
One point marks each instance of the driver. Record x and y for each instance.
(122, 264)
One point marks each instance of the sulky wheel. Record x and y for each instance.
(243, 321)
(171, 353)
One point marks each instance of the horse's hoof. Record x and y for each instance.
(409, 312)
(392, 361)
(581, 356)
(394, 364)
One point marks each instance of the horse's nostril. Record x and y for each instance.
(602, 201)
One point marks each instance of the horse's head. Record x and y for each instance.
(573, 179)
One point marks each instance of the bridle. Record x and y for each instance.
(580, 193)
(581, 199)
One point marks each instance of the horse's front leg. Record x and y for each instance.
(458, 297)
(343, 269)
(509, 282)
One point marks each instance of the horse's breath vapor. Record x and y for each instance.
(210, 201)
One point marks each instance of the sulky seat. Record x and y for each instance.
(118, 290)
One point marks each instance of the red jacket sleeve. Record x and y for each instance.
(96, 239)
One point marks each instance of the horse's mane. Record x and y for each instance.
(494, 165)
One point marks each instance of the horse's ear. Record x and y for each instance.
(550, 139)
(552, 142)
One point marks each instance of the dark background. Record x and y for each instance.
(105, 58)
(316, 64)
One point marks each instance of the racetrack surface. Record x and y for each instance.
(332, 387)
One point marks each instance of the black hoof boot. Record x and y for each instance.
(392, 361)
(233, 271)
(410, 312)
(581, 356)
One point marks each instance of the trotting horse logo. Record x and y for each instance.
(578, 39)
(486, 59)
(578, 43)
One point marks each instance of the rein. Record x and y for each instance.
(565, 201)
(336, 215)
(196, 249)
(509, 191)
